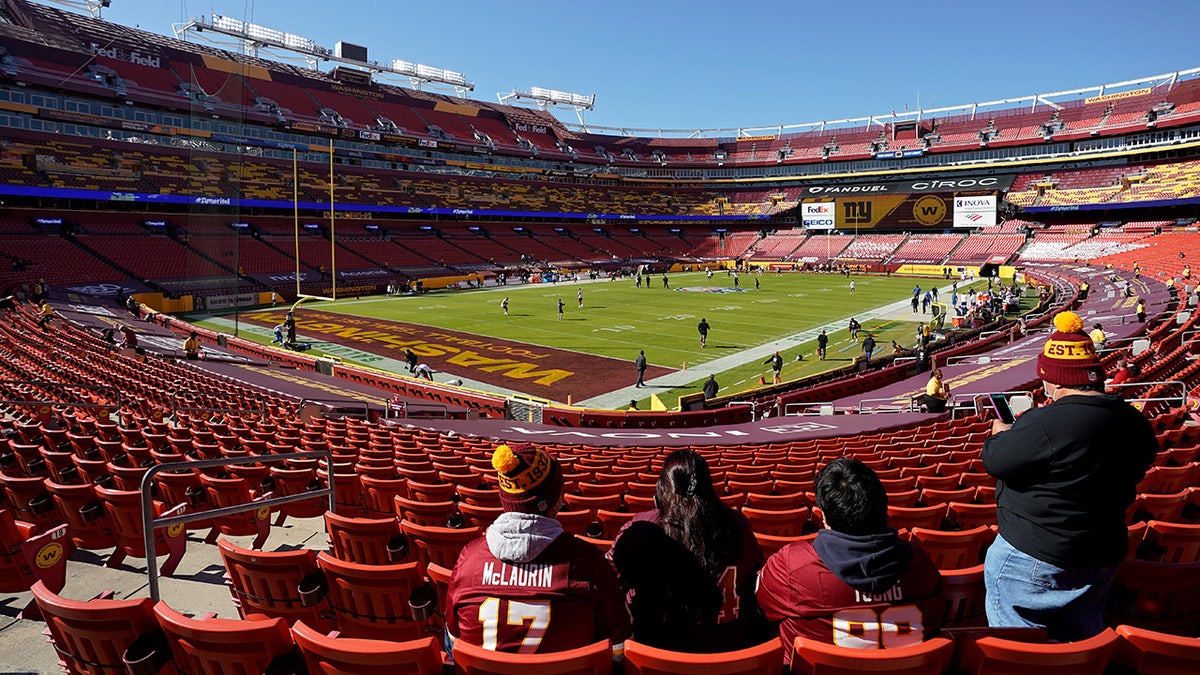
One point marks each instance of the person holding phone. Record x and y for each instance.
(937, 393)
(1065, 474)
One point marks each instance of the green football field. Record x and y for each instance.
(618, 319)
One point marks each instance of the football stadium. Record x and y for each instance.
(319, 368)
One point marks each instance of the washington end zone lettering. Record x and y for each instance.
(467, 358)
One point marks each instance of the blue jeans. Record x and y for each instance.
(1025, 591)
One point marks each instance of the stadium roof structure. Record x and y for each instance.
(552, 98)
(254, 37)
(1019, 104)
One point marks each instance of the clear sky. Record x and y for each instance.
(705, 64)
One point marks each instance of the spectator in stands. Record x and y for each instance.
(711, 387)
(776, 363)
(1099, 339)
(1083, 290)
(526, 563)
(858, 580)
(937, 392)
(1141, 310)
(1120, 376)
(1187, 273)
(191, 346)
(1066, 473)
(47, 315)
(129, 338)
(689, 566)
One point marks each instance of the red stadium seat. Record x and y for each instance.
(1151, 653)
(269, 583)
(928, 517)
(91, 636)
(221, 646)
(1157, 596)
(433, 514)
(930, 657)
(595, 659)
(964, 592)
(371, 601)
(369, 541)
(124, 509)
(954, 550)
(440, 545)
(325, 655)
(790, 523)
(764, 659)
(996, 655)
(1170, 542)
(966, 516)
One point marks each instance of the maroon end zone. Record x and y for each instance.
(545, 372)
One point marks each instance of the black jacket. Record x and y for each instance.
(1066, 473)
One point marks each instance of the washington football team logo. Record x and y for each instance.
(48, 555)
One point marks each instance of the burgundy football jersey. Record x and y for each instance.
(799, 591)
(564, 599)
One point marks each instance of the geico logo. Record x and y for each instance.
(819, 222)
(963, 183)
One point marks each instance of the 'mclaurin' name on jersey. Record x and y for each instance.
(529, 576)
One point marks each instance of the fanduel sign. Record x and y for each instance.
(956, 184)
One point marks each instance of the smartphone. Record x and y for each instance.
(1003, 411)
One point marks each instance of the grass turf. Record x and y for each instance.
(618, 319)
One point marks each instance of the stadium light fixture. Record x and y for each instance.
(94, 8)
(254, 37)
(552, 98)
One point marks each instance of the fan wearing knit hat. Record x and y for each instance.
(526, 562)
(1065, 474)
(1068, 358)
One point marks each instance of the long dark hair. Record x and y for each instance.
(691, 514)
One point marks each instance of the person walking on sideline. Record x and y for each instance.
(711, 387)
(560, 309)
(822, 344)
(640, 364)
(868, 346)
(776, 362)
(702, 328)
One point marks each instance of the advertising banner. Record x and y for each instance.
(975, 211)
(818, 215)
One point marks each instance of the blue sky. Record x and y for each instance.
(704, 64)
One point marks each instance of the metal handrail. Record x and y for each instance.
(1181, 399)
(150, 523)
(790, 409)
(366, 413)
(897, 409)
(405, 406)
(957, 359)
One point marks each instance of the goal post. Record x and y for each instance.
(300, 295)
